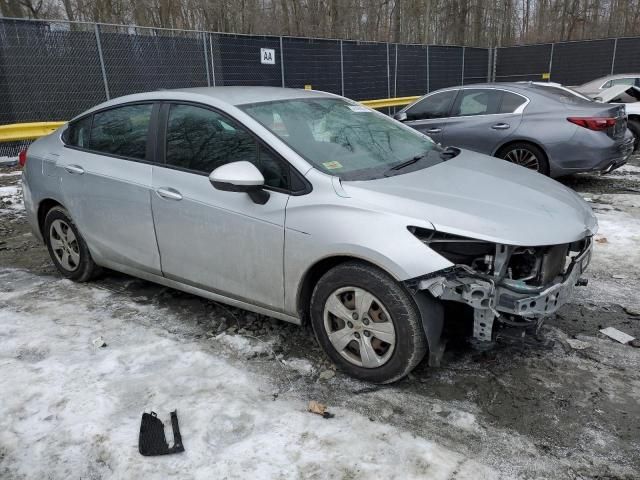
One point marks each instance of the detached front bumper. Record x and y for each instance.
(548, 300)
(493, 296)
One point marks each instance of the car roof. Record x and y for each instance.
(518, 87)
(239, 95)
(232, 96)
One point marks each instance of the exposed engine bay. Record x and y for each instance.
(512, 284)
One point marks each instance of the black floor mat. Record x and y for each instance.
(152, 440)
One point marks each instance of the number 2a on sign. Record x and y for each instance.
(268, 56)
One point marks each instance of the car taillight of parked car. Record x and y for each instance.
(22, 158)
(598, 124)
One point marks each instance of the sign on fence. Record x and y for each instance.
(268, 56)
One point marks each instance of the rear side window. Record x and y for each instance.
(434, 106)
(78, 133)
(511, 102)
(202, 140)
(477, 102)
(122, 131)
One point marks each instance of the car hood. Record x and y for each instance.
(484, 198)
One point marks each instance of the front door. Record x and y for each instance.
(430, 115)
(211, 239)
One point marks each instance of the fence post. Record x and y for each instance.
(551, 61)
(495, 62)
(395, 75)
(341, 70)
(213, 63)
(428, 69)
(206, 60)
(613, 60)
(462, 73)
(281, 62)
(388, 75)
(489, 63)
(104, 71)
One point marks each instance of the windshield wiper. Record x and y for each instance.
(411, 161)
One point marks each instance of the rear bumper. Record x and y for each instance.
(602, 154)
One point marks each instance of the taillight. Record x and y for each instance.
(22, 158)
(594, 123)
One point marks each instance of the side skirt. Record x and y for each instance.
(134, 272)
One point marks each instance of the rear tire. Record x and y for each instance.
(377, 334)
(526, 155)
(67, 248)
(634, 126)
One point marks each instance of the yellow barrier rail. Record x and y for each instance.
(17, 132)
(389, 102)
(27, 131)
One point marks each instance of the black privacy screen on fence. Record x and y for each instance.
(47, 73)
(529, 62)
(54, 70)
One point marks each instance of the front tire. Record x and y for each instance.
(67, 248)
(367, 323)
(526, 155)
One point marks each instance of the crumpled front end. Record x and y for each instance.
(512, 284)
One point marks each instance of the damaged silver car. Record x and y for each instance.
(310, 208)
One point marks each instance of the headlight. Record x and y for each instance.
(457, 249)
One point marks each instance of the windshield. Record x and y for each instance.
(346, 140)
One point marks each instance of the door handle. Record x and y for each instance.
(500, 126)
(74, 169)
(434, 130)
(169, 193)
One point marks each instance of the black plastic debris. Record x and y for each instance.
(152, 440)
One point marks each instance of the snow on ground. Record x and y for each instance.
(11, 198)
(70, 409)
(8, 161)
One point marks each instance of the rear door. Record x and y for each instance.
(483, 118)
(430, 115)
(216, 240)
(106, 184)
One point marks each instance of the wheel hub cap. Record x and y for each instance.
(359, 327)
(64, 245)
(523, 157)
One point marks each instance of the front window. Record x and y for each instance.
(339, 138)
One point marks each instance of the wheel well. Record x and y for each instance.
(634, 117)
(512, 142)
(43, 209)
(311, 277)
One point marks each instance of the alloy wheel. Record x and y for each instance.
(359, 327)
(523, 157)
(64, 245)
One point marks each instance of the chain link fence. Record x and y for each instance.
(53, 70)
(569, 63)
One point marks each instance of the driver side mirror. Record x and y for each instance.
(240, 176)
(401, 116)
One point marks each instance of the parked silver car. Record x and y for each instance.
(548, 130)
(594, 87)
(307, 207)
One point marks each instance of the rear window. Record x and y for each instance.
(122, 131)
(77, 133)
(511, 102)
(561, 95)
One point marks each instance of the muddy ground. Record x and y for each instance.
(565, 405)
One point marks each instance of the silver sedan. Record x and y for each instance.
(307, 207)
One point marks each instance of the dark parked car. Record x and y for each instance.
(548, 130)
